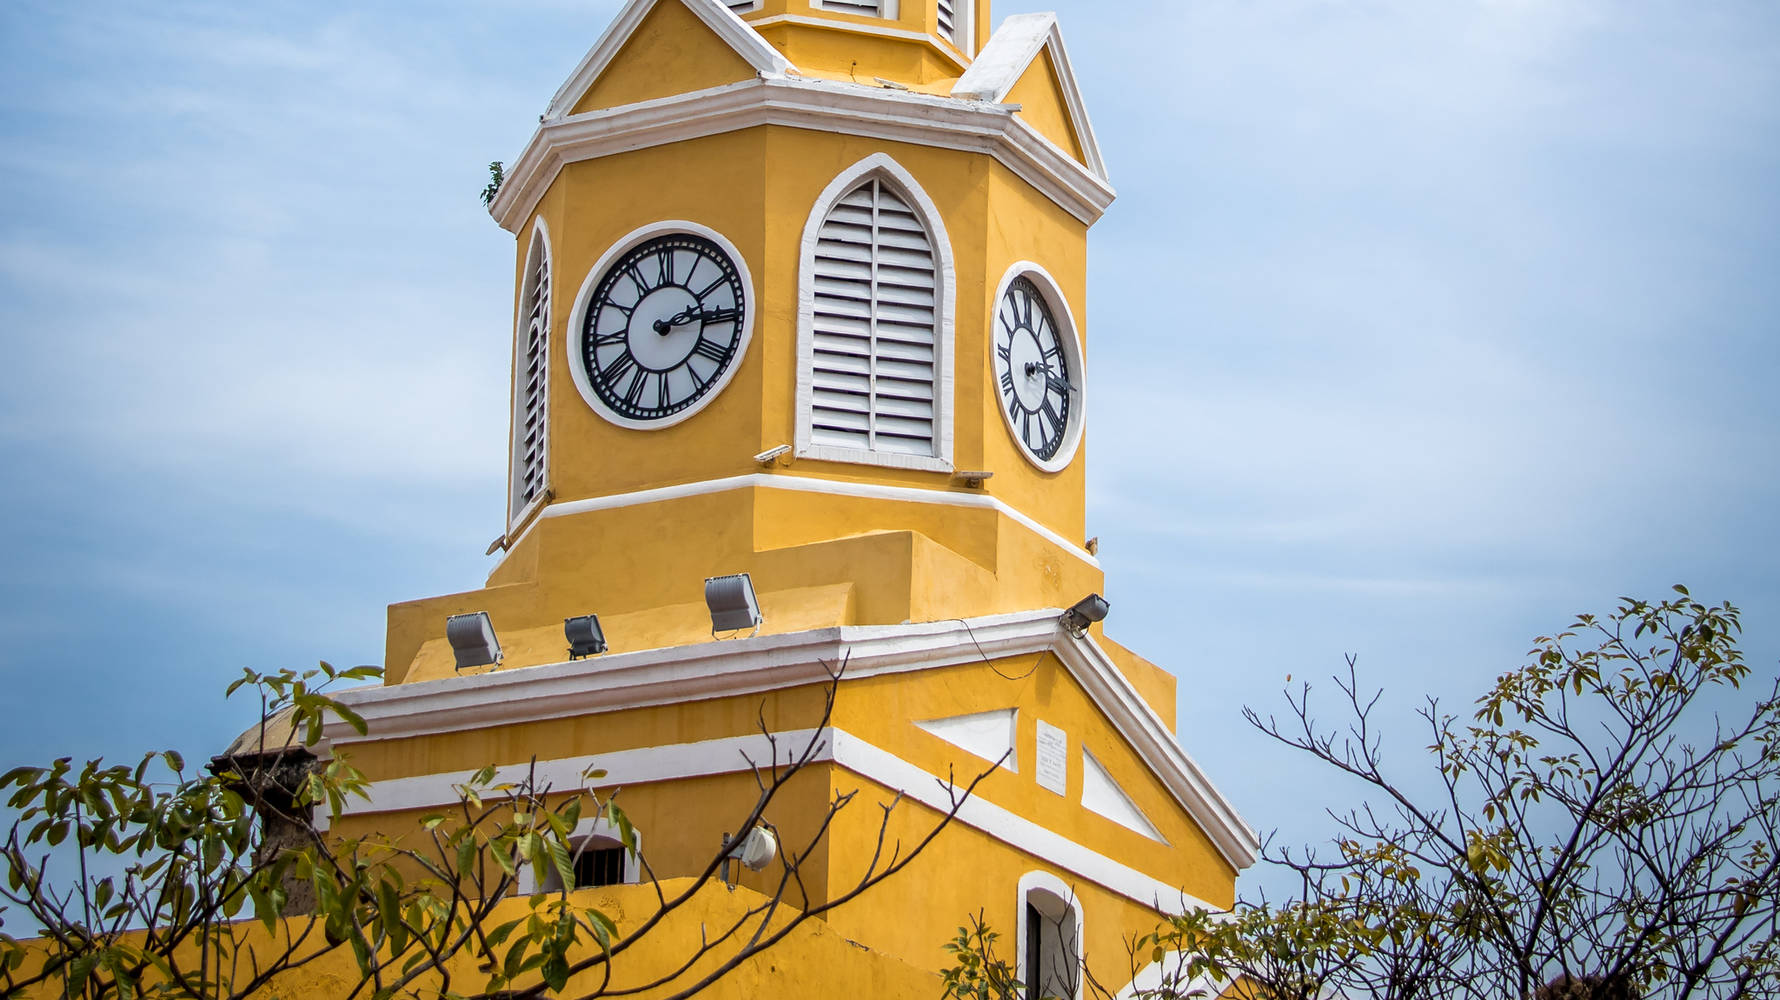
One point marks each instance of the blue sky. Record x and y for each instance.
(1417, 327)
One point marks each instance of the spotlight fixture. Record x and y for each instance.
(972, 478)
(732, 603)
(772, 455)
(584, 636)
(1083, 613)
(472, 639)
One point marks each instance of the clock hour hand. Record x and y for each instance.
(681, 318)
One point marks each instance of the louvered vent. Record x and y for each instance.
(948, 20)
(742, 6)
(529, 398)
(864, 8)
(872, 370)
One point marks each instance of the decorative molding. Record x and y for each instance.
(728, 26)
(576, 356)
(799, 102)
(831, 487)
(540, 241)
(731, 756)
(773, 662)
(882, 31)
(1001, 63)
(1059, 303)
(944, 331)
(1044, 882)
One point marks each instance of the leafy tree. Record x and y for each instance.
(160, 881)
(1603, 828)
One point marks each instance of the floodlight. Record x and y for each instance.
(472, 639)
(732, 603)
(772, 455)
(584, 636)
(1083, 613)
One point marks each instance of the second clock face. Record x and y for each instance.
(1034, 371)
(664, 324)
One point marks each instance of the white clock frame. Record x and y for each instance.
(1070, 339)
(578, 317)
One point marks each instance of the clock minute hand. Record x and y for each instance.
(681, 318)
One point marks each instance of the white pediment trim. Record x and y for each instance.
(1011, 50)
(801, 102)
(775, 662)
(746, 42)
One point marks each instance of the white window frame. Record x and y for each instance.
(1065, 316)
(1044, 884)
(945, 298)
(745, 7)
(526, 881)
(518, 513)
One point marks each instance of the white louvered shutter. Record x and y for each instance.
(529, 399)
(742, 6)
(872, 368)
(948, 21)
(866, 8)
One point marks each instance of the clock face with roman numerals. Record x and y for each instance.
(664, 325)
(1036, 371)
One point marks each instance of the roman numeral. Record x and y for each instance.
(1058, 384)
(662, 399)
(1004, 351)
(608, 339)
(722, 316)
(722, 279)
(636, 277)
(1026, 311)
(1051, 414)
(634, 394)
(614, 371)
(1026, 419)
(1007, 383)
(664, 264)
(711, 349)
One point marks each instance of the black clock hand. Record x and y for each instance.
(681, 318)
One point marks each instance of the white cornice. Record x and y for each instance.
(938, 45)
(767, 663)
(999, 66)
(746, 42)
(800, 102)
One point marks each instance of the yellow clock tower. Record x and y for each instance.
(799, 351)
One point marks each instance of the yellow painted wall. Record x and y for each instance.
(671, 52)
(1042, 105)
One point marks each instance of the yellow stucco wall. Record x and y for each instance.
(671, 52)
(1040, 96)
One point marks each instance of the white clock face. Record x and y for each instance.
(1037, 373)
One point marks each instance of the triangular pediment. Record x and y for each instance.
(663, 48)
(989, 735)
(1026, 63)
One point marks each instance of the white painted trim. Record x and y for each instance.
(800, 102)
(1072, 344)
(752, 5)
(882, 31)
(746, 42)
(1010, 51)
(830, 487)
(711, 758)
(575, 355)
(540, 239)
(774, 662)
(945, 315)
(1043, 881)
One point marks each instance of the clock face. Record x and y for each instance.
(666, 321)
(1036, 371)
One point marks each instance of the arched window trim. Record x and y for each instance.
(1048, 884)
(518, 510)
(946, 279)
(526, 880)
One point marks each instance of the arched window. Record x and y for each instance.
(531, 370)
(1050, 938)
(597, 858)
(875, 324)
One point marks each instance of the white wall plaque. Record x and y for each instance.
(1053, 758)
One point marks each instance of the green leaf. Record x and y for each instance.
(175, 762)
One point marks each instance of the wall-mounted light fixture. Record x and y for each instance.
(584, 636)
(472, 639)
(732, 603)
(972, 479)
(1083, 613)
(772, 455)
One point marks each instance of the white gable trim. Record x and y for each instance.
(945, 321)
(801, 102)
(746, 42)
(775, 662)
(1011, 50)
